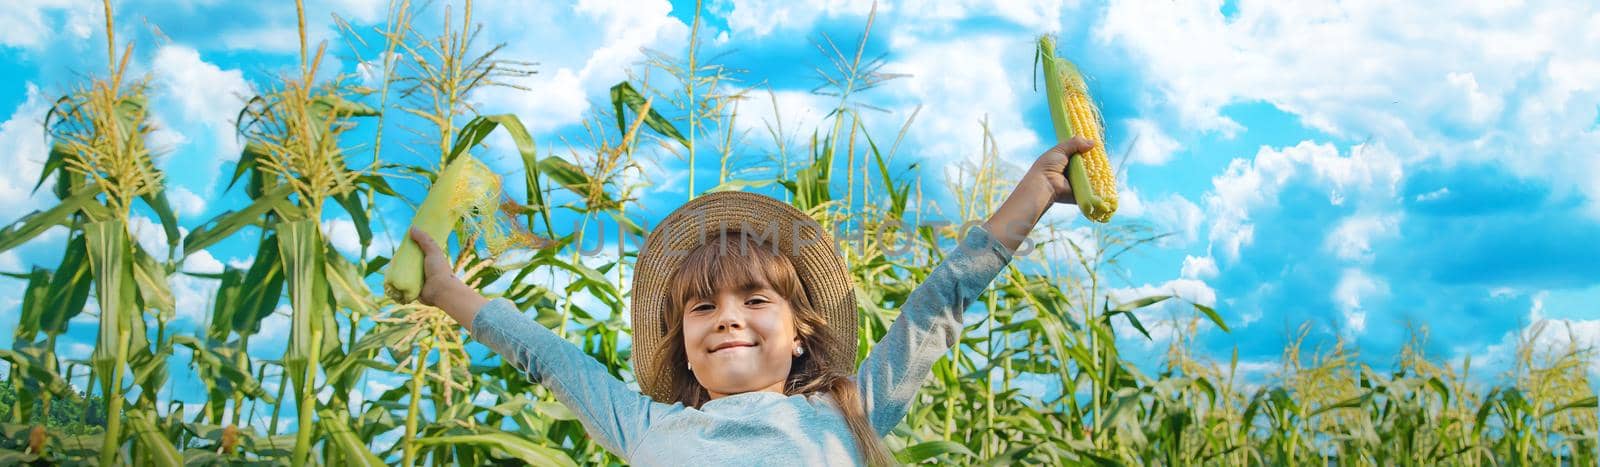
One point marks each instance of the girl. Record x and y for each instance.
(745, 333)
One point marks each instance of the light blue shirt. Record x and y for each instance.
(754, 428)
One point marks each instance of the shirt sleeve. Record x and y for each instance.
(614, 414)
(929, 325)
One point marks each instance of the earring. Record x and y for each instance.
(691, 367)
(798, 351)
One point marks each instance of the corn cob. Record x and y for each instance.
(1074, 114)
(464, 185)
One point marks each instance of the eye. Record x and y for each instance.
(703, 307)
(756, 300)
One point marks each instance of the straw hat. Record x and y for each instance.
(813, 252)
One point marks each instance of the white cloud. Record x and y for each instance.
(10, 262)
(1178, 216)
(661, 179)
(371, 71)
(164, 138)
(1187, 289)
(1457, 81)
(26, 149)
(206, 93)
(1352, 239)
(284, 38)
(1151, 146)
(1198, 267)
(601, 39)
(202, 262)
(1433, 195)
(241, 263)
(184, 202)
(1536, 310)
(761, 17)
(1173, 214)
(192, 295)
(31, 23)
(78, 350)
(1481, 107)
(151, 235)
(1371, 174)
(1355, 286)
(1035, 15)
(1163, 327)
(1060, 251)
(205, 96)
(342, 234)
(1545, 338)
(959, 82)
(361, 11)
(274, 333)
(797, 111)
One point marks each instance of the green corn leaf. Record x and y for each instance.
(352, 204)
(154, 448)
(1140, 303)
(35, 223)
(352, 450)
(69, 288)
(301, 249)
(225, 304)
(1585, 403)
(506, 445)
(113, 275)
(247, 161)
(152, 280)
(1212, 315)
(266, 279)
(121, 326)
(35, 299)
(56, 161)
(919, 452)
(480, 127)
(623, 95)
(169, 221)
(349, 291)
(227, 223)
(565, 173)
(1350, 403)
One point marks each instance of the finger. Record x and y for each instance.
(424, 241)
(433, 259)
(1076, 145)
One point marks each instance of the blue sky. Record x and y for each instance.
(1356, 166)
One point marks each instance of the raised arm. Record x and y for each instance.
(930, 320)
(615, 415)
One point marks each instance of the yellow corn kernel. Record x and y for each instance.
(1073, 113)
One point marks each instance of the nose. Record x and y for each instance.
(730, 317)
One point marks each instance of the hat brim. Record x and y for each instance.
(808, 246)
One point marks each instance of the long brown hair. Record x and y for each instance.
(731, 261)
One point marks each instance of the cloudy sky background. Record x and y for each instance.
(1357, 167)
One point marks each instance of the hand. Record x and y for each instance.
(440, 286)
(1052, 168)
(1043, 186)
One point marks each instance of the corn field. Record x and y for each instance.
(309, 155)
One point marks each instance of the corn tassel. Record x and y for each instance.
(1074, 113)
(463, 186)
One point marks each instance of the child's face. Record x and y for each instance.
(740, 341)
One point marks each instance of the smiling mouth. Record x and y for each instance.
(731, 346)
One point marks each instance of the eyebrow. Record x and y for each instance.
(745, 289)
